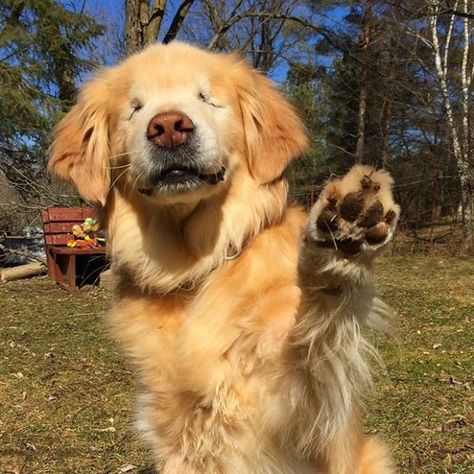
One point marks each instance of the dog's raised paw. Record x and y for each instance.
(355, 213)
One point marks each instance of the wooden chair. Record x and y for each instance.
(70, 267)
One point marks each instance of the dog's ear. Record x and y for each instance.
(274, 133)
(80, 149)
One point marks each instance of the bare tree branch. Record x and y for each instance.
(154, 22)
(226, 25)
(458, 13)
(178, 21)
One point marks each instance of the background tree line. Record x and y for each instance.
(386, 82)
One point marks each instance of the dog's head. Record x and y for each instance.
(171, 124)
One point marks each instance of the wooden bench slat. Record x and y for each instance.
(68, 214)
(58, 227)
(72, 251)
(58, 239)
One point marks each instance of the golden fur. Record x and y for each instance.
(247, 339)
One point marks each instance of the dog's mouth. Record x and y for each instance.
(182, 178)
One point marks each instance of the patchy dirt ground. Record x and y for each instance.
(66, 393)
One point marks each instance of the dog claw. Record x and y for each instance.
(390, 216)
(369, 185)
(366, 182)
(332, 203)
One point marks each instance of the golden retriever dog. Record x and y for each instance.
(243, 315)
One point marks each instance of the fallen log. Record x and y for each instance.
(22, 271)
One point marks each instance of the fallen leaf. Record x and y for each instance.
(110, 429)
(127, 468)
(458, 420)
(18, 469)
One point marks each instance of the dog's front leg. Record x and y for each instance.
(353, 219)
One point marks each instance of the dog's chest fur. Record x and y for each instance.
(207, 357)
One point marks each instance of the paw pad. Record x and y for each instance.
(372, 216)
(351, 206)
(365, 214)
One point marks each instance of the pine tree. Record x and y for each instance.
(43, 52)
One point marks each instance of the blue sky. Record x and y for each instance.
(112, 13)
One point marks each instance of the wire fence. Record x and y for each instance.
(431, 220)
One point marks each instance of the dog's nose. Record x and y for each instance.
(169, 129)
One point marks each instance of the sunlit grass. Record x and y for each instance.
(66, 394)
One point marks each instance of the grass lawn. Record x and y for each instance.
(66, 393)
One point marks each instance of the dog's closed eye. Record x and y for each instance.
(207, 100)
(136, 107)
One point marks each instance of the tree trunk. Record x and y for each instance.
(143, 22)
(468, 185)
(361, 117)
(155, 20)
(393, 52)
(460, 141)
(178, 20)
(63, 70)
(136, 21)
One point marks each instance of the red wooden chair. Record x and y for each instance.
(70, 267)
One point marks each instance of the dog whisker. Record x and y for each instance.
(128, 165)
(125, 153)
(116, 179)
